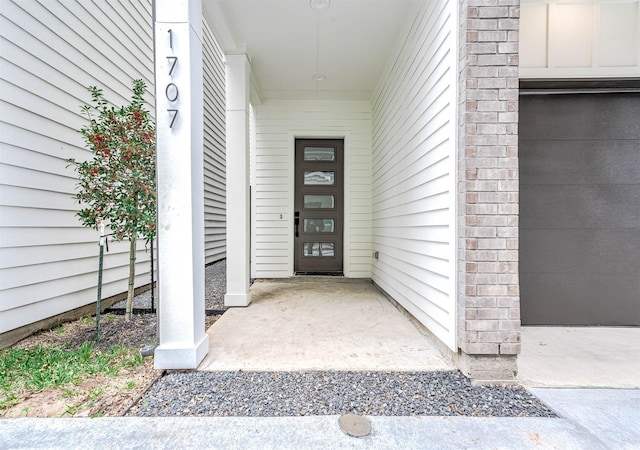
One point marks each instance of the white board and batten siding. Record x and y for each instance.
(413, 172)
(214, 148)
(51, 52)
(576, 39)
(278, 124)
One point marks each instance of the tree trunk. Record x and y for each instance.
(132, 277)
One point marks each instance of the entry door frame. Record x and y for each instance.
(318, 215)
(338, 133)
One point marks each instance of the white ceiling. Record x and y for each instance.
(288, 42)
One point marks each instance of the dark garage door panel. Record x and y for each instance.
(580, 117)
(581, 162)
(579, 300)
(577, 252)
(580, 209)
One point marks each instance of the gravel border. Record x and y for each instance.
(269, 394)
(215, 282)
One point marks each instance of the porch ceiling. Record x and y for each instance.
(289, 42)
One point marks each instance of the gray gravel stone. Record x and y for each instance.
(333, 393)
(215, 281)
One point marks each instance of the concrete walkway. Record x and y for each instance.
(319, 432)
(319, 323)
(593, 357)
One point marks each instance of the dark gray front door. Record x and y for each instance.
(580, 209)
(318, 216)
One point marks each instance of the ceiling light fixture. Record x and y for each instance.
(319, 5)
(319, 77)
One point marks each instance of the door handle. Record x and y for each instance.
(296, 221)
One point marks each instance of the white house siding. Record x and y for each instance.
(51, 51)
(278, 123)
(214, 148)
(413, 174)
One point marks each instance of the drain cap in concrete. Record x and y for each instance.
(355, 426)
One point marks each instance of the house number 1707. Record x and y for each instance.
(171, 91)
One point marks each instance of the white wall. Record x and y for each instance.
(214, 148)
(413, 172)
(572, 39)
(278, 123)
(51, 51)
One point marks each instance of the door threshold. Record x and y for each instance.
(322, 274)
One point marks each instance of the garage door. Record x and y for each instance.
(580, 209)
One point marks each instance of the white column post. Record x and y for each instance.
(238, 226)
(180, 175)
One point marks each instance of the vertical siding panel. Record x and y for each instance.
(413, 143)
(50, 52)
(277, 124)
(214, 149)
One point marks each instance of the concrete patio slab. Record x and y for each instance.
(602, 357)
(325, 323)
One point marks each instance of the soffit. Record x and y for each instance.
(288, 42)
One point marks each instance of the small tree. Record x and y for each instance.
(118, 183)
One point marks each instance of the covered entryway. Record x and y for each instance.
(319, 323)
(387, 87)
(580, 209)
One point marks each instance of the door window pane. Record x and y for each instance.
(318, 249)
(319, 225)
(319, 201)
(325, 178)
(319, 154)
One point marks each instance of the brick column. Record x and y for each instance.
(489, 301)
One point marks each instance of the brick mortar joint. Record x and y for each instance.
(491, 32)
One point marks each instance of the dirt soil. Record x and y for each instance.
(98, 395)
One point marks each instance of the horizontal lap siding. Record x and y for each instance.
(51, 52)
(277, 123)
(214, 149)
(413, 200)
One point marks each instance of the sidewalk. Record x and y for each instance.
(319, 432)
(611, 415)
(590, 419)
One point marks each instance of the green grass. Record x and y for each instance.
(94, 393)
(87, 321)
(107, 318)
(72, 410)
(68, 392)
(38, 368)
